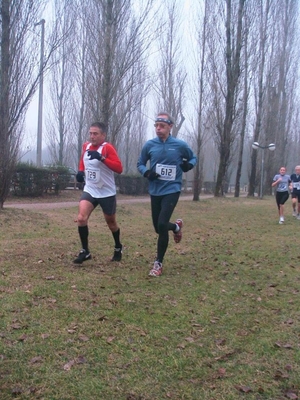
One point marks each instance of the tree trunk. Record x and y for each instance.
(6, 159)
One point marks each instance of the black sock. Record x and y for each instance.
(116, 236)
(83, 234)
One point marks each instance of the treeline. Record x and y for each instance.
(226, 69)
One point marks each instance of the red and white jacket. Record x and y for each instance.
(99, 175)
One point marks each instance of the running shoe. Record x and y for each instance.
(117, 254)
(281, 220)
(294, 214)
(178, 235)
(156, 270)
(82, 256)
(298, 216)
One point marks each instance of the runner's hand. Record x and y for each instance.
(151, 175)
(95, 155)
(80, 176)
(186, 166)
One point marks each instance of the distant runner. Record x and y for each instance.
(282, 182)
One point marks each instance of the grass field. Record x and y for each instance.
(222, 322)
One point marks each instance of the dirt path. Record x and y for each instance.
(69, 204)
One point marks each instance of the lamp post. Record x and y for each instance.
(257, 146)
(40, 109)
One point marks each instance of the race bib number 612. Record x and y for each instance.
(166, 172)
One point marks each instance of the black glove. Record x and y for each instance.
(186, 166)
(80, 176)
(151, 175)
(95, 155)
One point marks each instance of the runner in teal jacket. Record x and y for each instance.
(167, 158)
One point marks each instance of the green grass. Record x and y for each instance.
(222, 322)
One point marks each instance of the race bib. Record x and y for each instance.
(166, 172)
(282, 186)
(93, 176)
(296, 185)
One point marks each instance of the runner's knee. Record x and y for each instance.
(162, 227)
(82, 220)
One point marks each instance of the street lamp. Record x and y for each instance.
(40, 109)
(256, 146)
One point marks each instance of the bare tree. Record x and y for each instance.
(260, 62)
(18, 79)
(275, 90)
(244, 111)
(118, 40)
(59, 127)
(234, 41)
(201, 100)
(169, 82)
(132, 136)
(284, 79)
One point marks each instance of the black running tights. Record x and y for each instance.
(162, 208)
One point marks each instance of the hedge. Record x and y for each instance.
(134, 185)
(32, 181)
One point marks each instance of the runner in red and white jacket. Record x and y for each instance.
(99, 173)
(98, 163)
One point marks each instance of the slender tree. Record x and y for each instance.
(18, 78)
(244, 111)
(117, 42)
(60, 132)
(201, 101)
(232, 66)
(261, 62)
(170, 78)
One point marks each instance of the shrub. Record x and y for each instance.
(132, 184)
(32, 181)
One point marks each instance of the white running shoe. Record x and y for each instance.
(156, 270)
(281, 220)
(298, 216)
(295, 214)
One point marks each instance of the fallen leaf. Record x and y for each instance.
(280, 375)
(36, 359)
(22, 338)
(110, 339)
(81, 360)
(225, 356)
(69, 365)
(83, 338)
(244, 389)
(16, 391)
(291, 395)
(190, 339)
(45, 335)
(16, 326)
